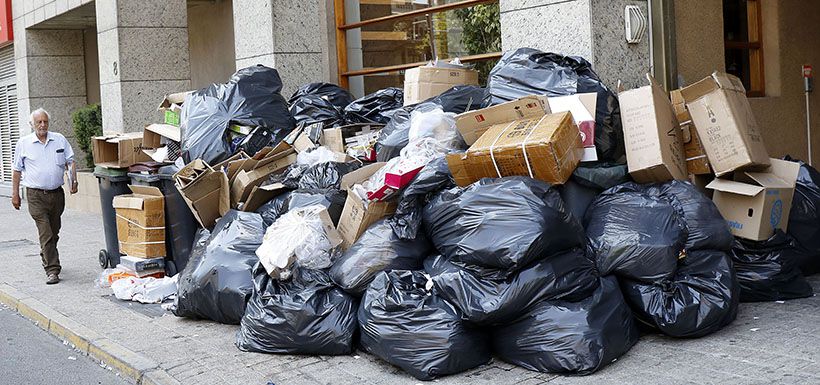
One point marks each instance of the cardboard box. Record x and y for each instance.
(358, 215)
(652, 136)
(473, 124)
(171, 107)
(422, 83)
(725, 123)
(141, 222)
(337, 138)
(205, 190)
(245, 181)
(754, 204)
(138, 264)
(152, 140)
(548, 148)
(262, 194)
(697, 163)
(582, 107)
(118, 150)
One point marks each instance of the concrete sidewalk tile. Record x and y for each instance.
(10, 296)
(35, 311)
(73, 332)
(128, 363)
(158, 377)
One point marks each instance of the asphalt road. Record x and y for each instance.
(32, 356)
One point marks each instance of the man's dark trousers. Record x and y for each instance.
(46, 207)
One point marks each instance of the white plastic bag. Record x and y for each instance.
(145, 290)
(435, 124)
(318, 155)
(304, 236)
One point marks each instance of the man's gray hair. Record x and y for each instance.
(38, 111)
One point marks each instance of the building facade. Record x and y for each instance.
(125, 54)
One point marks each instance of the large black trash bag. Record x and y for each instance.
(568, 275)
(332, 199)
(768, 270)
(377, 250)
(570, 337)
(250, 98)
(640, 231)
(326, 175)
(502, 224)
(416, 330)
(804, 217)
(700, 299)
(577, 197)
(305, 315)
(319, 103)
(527, 71)
(217, 282)
(601, 176)
(395, 135)
(377, 107)
(434, 177)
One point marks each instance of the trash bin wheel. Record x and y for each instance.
(103, 257)
(171, 268)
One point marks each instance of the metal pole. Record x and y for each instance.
(808, 126)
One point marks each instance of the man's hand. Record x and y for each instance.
(15, 201)
(74, 187)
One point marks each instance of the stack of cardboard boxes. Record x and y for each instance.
(707, 133)
(141, 231)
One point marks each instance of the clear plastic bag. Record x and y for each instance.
(435, 124)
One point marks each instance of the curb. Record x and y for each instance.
(134, 366)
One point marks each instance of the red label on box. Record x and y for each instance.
(587, 129)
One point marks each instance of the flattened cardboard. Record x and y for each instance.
(245, 181)
(358, 215)
(118, 150)
(652, 136)
(548, 148)
(473, 124)
(205, 190)
(422, 83)
(755, 204)
(262, 194)
(725, 123)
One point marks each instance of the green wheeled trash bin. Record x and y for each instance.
(111, 183)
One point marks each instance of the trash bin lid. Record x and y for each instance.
(145, 178)
(112, 174)
(167, 172)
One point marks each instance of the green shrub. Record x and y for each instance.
(481, 34)
(87, 124)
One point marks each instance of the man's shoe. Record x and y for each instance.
(52, 279)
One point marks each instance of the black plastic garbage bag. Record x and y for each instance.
(377, 107)
(434, 177)
(768, 270)
(217, 282)
(570, 337)
(527, 71)
(326, 175)
(305, 315)
(418, 331)
(395, 135)
(700, 299)
(332, 199)
(577, 197)
(804, 217)
(289, 177)
(377, 250)
(640, 231)
(319, 103)
(601, 176)
(250, 98)
(567, 275)
(503, 224)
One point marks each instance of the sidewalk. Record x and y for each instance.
(769, 342)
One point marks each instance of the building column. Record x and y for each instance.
(50, 71)
(290, 36)
(143, 54)
(592, 29)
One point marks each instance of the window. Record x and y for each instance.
(743, 44)
(376, 40)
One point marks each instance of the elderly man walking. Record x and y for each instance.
(40, 160)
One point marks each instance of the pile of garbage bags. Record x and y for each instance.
(669, 247)
(768, 270)
(805, 216)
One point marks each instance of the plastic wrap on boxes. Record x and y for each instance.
(250, 98)
(377, 250)
(217, 281)
(305, 315)
(568, 275)
(503, 224)
(405, 324)
(578, 337)
(527, 71)
(768, 270)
